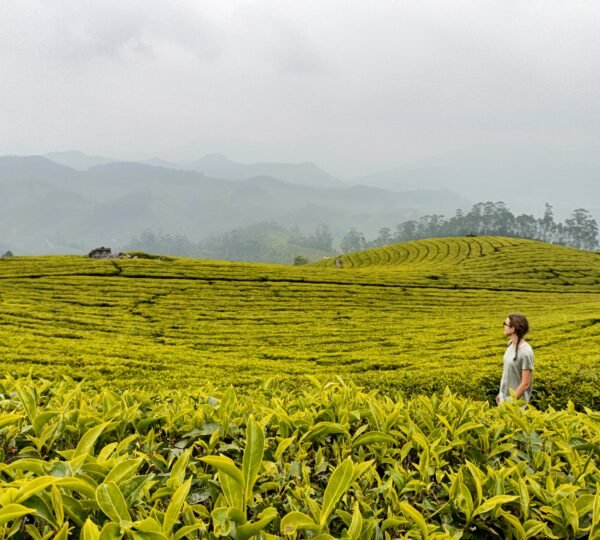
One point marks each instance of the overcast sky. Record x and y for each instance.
(354, 86)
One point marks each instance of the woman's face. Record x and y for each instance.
(508, 329)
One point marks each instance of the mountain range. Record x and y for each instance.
(70, 202)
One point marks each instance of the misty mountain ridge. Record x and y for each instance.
(306, 173)
(78, 160)
(524, 178)
(214, 165)
(44, 204)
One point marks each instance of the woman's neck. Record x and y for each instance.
(515, 339)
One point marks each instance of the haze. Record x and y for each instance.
(493, 99)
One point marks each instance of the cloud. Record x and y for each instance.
(354, 86)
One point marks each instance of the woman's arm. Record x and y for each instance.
(525, 383)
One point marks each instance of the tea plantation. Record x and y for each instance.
(351, 398)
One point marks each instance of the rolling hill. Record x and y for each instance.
(415, 316)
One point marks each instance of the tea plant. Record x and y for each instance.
(415, 317)
(323, 461)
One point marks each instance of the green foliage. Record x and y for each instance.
(429, 467)
(380, 319)
(488, 219)
(269, 242)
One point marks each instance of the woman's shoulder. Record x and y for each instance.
(525, 347)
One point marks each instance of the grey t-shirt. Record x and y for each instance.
(511, 374)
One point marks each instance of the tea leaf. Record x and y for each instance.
(253, 454)
(339, 482)
(112, 503)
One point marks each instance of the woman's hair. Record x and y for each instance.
(520, 324)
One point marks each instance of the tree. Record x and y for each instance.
(353, 241)
(299, 260)
(321, 239)
(547, 225)
(406, 231)
(582, 229)
(384, 237)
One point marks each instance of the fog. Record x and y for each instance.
(493, 99)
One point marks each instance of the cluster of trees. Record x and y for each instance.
(272, 242)
(491, 219)
(261, 242)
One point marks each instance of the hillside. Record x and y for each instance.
(182, 322)
(51, 208)
(477, 262)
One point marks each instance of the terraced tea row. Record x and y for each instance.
(487, 262)
(182, 322)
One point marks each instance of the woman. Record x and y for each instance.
(517, 374)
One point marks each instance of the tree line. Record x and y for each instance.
(260, 242)
(486, 219)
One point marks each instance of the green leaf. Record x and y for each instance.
(123, 471)
(253, 454)
(248, 530)
(7, 419)
(29, 401)
(32, 487)
(33, 533)
(83, 487)
(175, 506)
(126, 442)
(57, 504)
(63, 534)
(111, 531)
(36, 466)
(89, 531)
(467, 426)
(476, 474)
(41, 420)
(148, 525)
(391, 523)
(357, 523)
(322, 429)
(233, 492)
(221, 523)
(414, 515)
(596, 508)
(524, 497)
(189, 529)
(13, 511)
(297, 521)
(43, 509)
(178, 471)
(89, 438)
(515, 526)
(112, 503)
(283, 445)
(226, 465)
(74, 510)
(374, 437)
(361, 468)
(570, 512)
(339, 482)
(492, 503)
(148, 536)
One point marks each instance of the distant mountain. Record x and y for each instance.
(50, 208)
(524, 178)
(306, 174)
(78, 160)
(157, 162)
